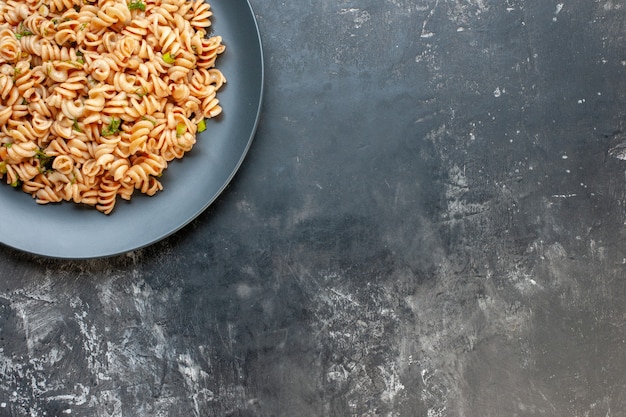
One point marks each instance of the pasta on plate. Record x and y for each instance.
(97, 97)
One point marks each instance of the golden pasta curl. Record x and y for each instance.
(97, 96)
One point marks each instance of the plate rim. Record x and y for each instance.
(255, 104)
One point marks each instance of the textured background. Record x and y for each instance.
(429, 223)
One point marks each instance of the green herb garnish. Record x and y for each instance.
(168, 58)
(16, 183)
(75, 126)
(45, 161)
(201, 126)
(23, 32)
(76, 64)
(3, 167)
(137, 5)
(112, 128)
(180, 129)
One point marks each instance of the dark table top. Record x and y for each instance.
(430, 222)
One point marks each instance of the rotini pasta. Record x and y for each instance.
(97, 96)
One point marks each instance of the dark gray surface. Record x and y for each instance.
(430, 222)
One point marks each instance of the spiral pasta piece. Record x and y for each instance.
(96, 97)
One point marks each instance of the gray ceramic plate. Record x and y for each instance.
(67, 230)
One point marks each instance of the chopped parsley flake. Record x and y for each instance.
(23, 32)
(45, 161)
(137, 5)
(168, 58)
(201, 126)
(112, 128)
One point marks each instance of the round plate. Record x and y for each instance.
(190, 185)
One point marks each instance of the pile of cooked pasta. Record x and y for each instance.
(97, 97)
